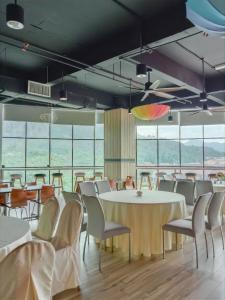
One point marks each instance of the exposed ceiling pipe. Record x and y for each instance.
(77, 64)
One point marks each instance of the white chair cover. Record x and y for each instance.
(66, 243)
(26, 273)
(48, 220)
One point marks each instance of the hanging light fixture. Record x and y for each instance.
(15, 16)
(63, 91)
(129, 109)
(170, 117)
(141, 69)
(150, 112)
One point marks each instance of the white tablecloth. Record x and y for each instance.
(145, 216)
(13, 233)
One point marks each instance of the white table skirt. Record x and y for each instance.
(145, 216)
(13, 233)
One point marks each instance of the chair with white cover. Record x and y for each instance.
(66, 243)
(187, 189)
(29, 270)
(99, 228)
(196, 228)
(87, 188)
(203, 187)
(166, 185)
(48, 220)
(214, 220)
(72, 196)
(103, 186)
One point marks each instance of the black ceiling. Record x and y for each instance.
(99, 32)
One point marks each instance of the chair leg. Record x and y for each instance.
(129, 248)
(163, 244)
(100, 256)
(141, 182)
(206, 246)
(85, 242)
(221, 231)
(196, 250)
(112, 244)
(211, 233)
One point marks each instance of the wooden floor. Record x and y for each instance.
(171, 279)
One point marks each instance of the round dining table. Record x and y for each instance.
(13, 233)
(144, 215)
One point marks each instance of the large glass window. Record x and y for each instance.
(195, 148)
(38, 147)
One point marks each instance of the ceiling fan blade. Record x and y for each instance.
(162, 95)
(186, 98)
(155, 84)
(195, 113)
(218, 109)
(215, 92)
(208, 112)
(145, 96)
(171, 89)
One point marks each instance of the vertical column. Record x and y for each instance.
(120, 144)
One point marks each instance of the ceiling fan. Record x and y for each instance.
(203, 96)
(153, 88)
(205, 109)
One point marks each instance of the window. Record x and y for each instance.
(13, 152)
(169, 152)
(35, 147)
(37, 153)
(83, 153)
(195, 148)
(147, 152)
(61, 153)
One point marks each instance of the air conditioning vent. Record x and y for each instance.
(39, 89)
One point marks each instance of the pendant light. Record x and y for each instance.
(15, 16)
(203, 95)
(141, 69)
(63, 91)
(170, 117)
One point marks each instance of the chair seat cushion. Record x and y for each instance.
(179, 226)
(113, 229)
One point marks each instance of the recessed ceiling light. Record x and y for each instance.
(220, 67)
(14, 16)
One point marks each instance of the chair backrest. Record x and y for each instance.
(71, 196)
(198, 218)
(87, 188)
(166, 185)
(203, 187)
(2, 197)
(48, 219)
(113, 184)
(29, 270)
(31, 195)
(96, 219)
(186, 188)
(47, 191)
(68, 229)
(214, 209)
(103, 186)
(18, 197)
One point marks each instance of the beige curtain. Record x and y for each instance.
(26, 273)
(48, 220)
(66, 243)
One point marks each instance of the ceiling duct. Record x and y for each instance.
(39, 89)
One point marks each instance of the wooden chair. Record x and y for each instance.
(191, 176)
(129, 183)
(58, 176)
(146, 175)
(18, 200)
(98, 175)
(79, 177)
(47, 191)
(40, 176)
